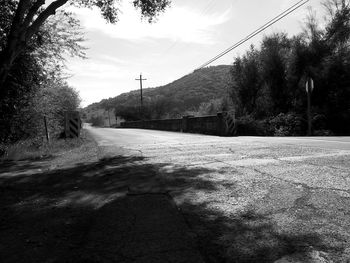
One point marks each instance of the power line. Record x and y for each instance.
(257, 31)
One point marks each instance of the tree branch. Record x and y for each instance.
(50, 10)
(17, 20)
(32, 11)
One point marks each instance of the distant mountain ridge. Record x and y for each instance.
(180, 96)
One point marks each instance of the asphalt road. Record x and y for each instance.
(285, 196)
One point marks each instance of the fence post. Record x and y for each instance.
(46, 130)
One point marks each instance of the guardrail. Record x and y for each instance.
(222, 124)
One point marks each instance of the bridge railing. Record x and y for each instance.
(222, 124)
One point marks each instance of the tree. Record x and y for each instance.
(34, 74)
(273, 55)
(247, 80)
(52, 100)
(270, 81)
(335, 70)
(28, 16)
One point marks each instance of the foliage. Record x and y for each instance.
(287, 124)
(129, 113)
(35, 88)
(24, 20)
(214, 106)
(151, 8)
(269, 81)
(247, 80)
(247, 125)
(96, 121)
(52, 100)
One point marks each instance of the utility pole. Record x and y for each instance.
(141, 99)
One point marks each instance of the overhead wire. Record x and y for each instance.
(257, 31)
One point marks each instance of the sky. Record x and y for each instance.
(184, 37)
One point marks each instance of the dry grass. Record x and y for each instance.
(38, 148)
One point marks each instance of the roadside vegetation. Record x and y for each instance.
(268, 82)
(36, 149)
(35, 88)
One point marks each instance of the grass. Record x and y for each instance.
(37, 148)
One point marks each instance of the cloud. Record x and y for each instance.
(96, 69)
(98, 78)
(177, 23)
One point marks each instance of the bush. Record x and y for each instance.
(323, 133)
(284, 124)
(96, 121)
(248, 126)
(287, 124)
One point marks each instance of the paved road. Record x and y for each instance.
(252, 197)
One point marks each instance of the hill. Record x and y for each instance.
(172, 100)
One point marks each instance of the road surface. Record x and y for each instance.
(254, 198)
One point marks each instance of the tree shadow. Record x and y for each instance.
(246, 237)
(7, 166)
(48, 215)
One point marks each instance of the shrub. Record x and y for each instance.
(248, 126)
(96, 121)
(287, 124)
(319, 122)
(323, 133)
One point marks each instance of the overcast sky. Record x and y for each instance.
(187, 35)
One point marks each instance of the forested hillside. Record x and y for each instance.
(180, 97)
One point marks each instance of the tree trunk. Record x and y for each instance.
(3, 76)
(7, 57)
(22, 31)
(9, 53)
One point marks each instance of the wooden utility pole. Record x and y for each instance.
(141, 99)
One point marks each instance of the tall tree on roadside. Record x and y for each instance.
(247, 80)
(335, 81)
(30, 15)
(274, 55)
(36, 69)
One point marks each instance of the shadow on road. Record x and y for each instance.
(48, 215)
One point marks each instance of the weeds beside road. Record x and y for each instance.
(36, 149)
